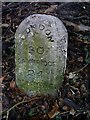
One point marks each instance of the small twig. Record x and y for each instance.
(6, 30)
(51, 9)
(7, 115)
(64, 113)
(36, 98)
(73, 74)
(79, 27)
(84, 41)
(12, 37)
(4, 25)
(81, 69)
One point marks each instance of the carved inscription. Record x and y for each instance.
(41, 47)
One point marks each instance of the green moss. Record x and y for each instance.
(16, 56)
(48, 83)
(37, 43)
(25, 53)
(38, 86)
(41, 86)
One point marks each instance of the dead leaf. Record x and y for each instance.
(72, 111)
(65, 108)
(54, 111)
(12, 84)
(1, 78)
(80, 59)
(51, 9)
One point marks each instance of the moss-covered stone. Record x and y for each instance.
(40, 57)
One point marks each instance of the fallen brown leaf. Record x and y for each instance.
(1, 78)
(51, 9)
(12, 84)
(54, 111)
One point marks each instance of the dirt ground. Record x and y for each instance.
(72, 101)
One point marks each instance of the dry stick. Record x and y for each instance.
(85, 42)
(12, 37)
(4, 25)
(6, 30)
(81, 68)
(51, 9)
(36, 98)
(62, 113)
(7, 115)
(77, 27)
(80, 40)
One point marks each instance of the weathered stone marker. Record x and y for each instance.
(41, 52)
